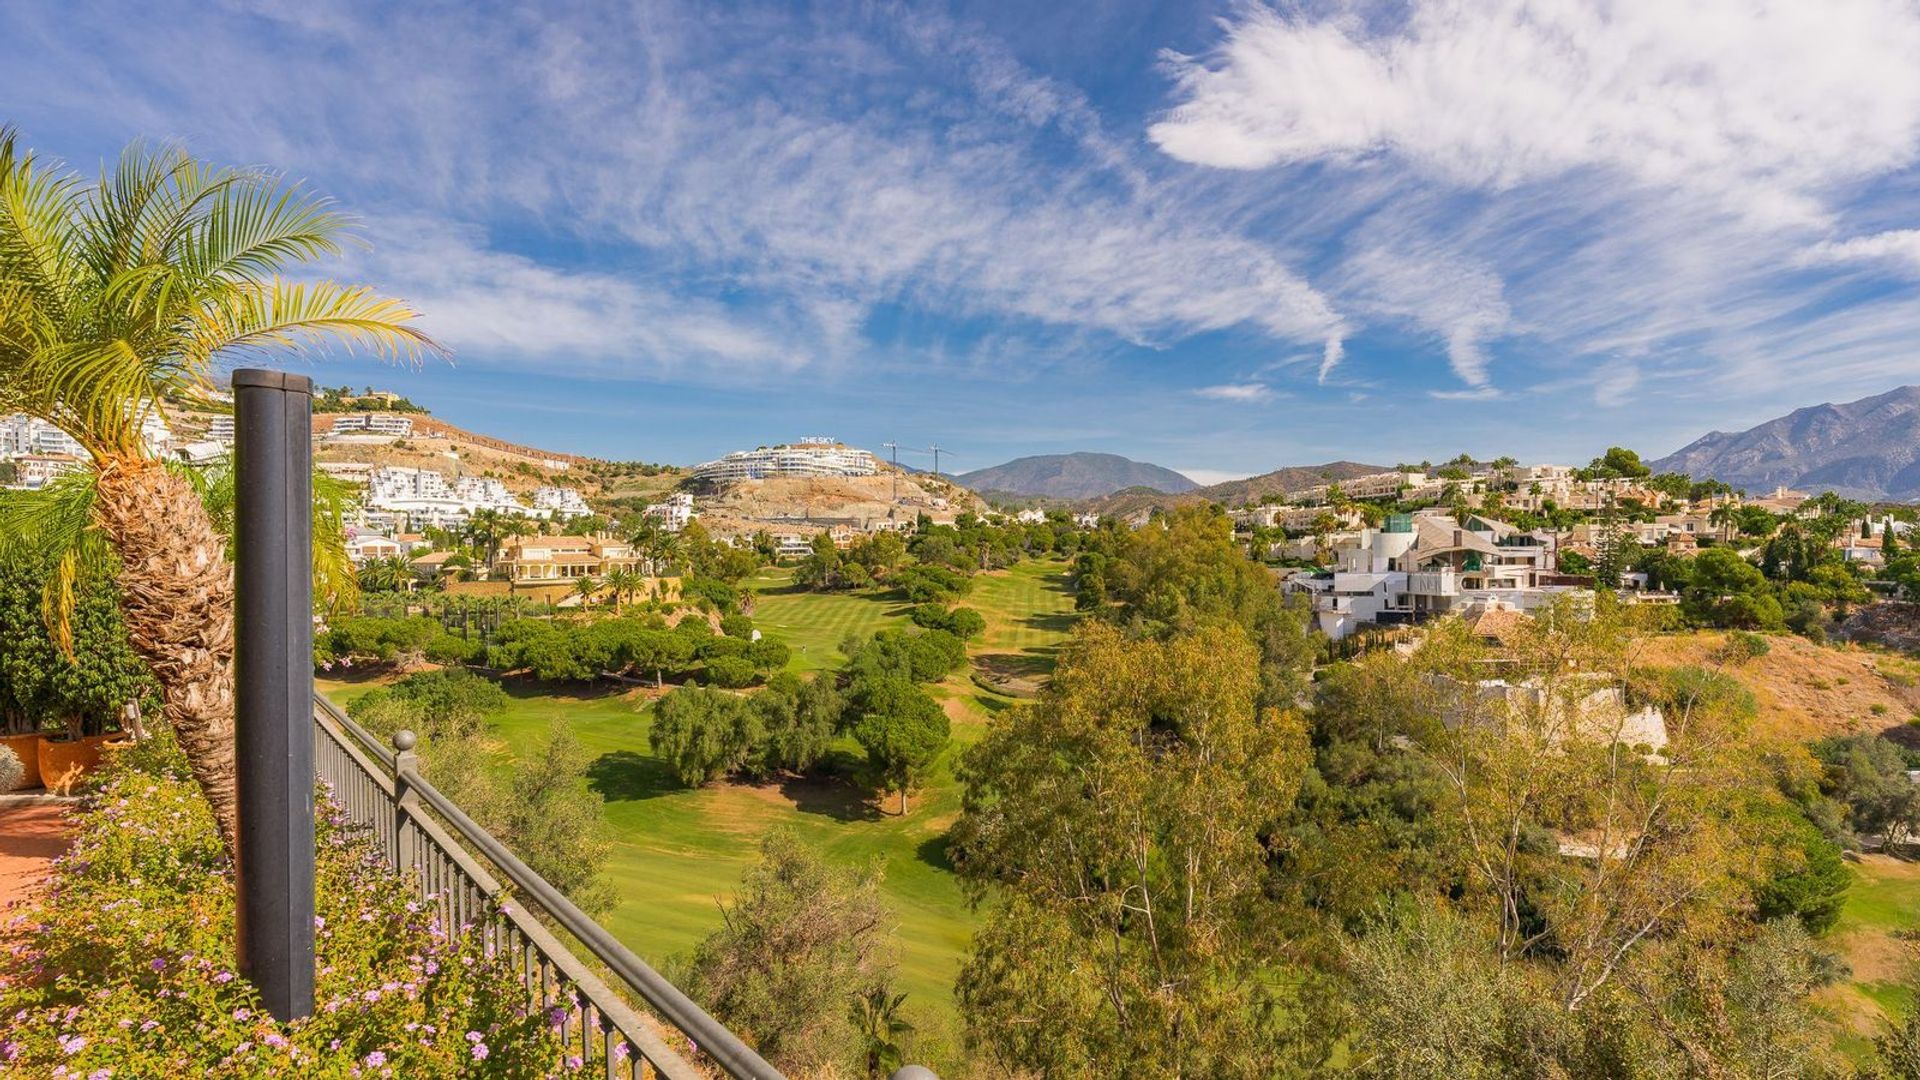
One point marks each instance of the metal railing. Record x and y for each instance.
(421, 830)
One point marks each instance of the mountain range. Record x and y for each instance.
(1074, 476)
(1867, 449)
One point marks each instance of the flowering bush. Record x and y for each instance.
(124, 967)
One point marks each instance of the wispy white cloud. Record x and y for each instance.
(1458, 301)
(1242, 392)
(1898, 247)
(1767, 104)
(491, 304)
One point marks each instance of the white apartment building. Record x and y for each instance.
(807, 457)
(23, 434)
(427, 499)
(383, 426)
(1386, 485)
(220, 430)
(560, 502)
(674, 513)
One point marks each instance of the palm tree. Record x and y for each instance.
(387, 575)
(623, 583)
(586, 587)
(1723, 517)
(876, 1016)
(118, 293)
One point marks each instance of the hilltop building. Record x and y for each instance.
(674, 513)
(808, 457)
(370, 427)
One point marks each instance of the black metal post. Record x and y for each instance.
(273, 669)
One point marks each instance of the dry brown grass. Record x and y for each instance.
(1807, 691)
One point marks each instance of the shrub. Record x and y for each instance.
(703, 734)
(963, 623)
(366, 637)
(1744, 645)
(769, 655)
(730, 671)
(440, 704)
(927, 583)
(152, 989)
(450, 649)
(736, 626)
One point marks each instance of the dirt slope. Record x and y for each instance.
(1807, 691)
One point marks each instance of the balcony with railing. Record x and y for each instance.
(573, 968)
(1433, 583)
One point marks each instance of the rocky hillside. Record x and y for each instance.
(1867, 449)
(806, 504)
(1074, 476)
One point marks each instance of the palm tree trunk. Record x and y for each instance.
(177, 590)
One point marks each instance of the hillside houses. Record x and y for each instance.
(1419, 566)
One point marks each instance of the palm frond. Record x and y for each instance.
(39, 253)
(56, 523)
(258, 226)
(116, 293)
(304, 316)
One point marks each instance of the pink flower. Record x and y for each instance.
(72, 1044)
(479, 1051)
(376, 1059)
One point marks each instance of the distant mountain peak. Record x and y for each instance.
(1867, 449)
(1083, 475)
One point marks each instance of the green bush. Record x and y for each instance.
(730, 671)
(963, 623)
(450, 703)
(137, 925)
(703, 734)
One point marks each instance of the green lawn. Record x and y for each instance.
(1883, 910)
(814, 624)
(680, 851)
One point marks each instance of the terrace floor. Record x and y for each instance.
(33, 832)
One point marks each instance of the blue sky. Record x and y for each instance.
(1221, 237)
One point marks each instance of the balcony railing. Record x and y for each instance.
(454, 862)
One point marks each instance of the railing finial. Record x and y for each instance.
(403, 740)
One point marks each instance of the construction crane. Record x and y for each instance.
(895, 449)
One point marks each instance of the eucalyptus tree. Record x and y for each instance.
(120, 292)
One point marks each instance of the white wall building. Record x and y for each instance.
(1418, 567)
(674, 513)
(807, 457)
(384, 426)
(561, 502)
(428, 499)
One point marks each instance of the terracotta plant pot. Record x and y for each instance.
(63, 763)
(28, 748)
